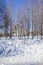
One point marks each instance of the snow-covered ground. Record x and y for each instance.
(22, 51)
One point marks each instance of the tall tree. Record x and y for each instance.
(2, 14)
(6, 24)
(28, 21)
(10, 17)
(32, 25)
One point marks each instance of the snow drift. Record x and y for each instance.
(21, 51)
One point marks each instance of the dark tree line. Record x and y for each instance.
(4, 18)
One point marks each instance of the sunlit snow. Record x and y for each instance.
(18, 51)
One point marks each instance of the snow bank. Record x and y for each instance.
(21, 51)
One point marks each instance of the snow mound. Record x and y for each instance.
(30, 48)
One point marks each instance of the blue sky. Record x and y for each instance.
(15, 4)
(19, 3)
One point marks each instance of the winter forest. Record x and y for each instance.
(21, 32)
(29, 22)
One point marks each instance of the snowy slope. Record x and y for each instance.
(17, 50)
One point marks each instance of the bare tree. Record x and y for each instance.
(19, 16)
(41, 23)
(32, 25)
(10, 17)
(28, 21)
(22, 30)
(6, 24)
(3, 17)
(10, 29)
(40, 18)
(26, 17)
(32, 18)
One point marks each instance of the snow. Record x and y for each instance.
(18, 51)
